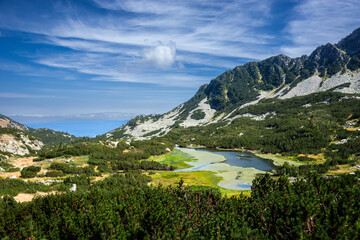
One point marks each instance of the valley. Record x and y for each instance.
(267, 150)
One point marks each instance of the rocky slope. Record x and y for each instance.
(328, 68)
(18, 139)
(6, 122)
(17, 142)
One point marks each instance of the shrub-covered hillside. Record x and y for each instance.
(122, 207)
(311, 124)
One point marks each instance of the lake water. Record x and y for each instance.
(245, 160)
(237, 169)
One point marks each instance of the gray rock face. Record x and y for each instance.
(351, 44)
(327, 55)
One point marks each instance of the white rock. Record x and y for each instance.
(8, 143)
(73, 188)
(205, 108)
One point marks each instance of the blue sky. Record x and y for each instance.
(113, 59)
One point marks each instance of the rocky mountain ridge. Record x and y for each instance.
(18, 139)
(17, 142)
(6, 122)
(330, 67)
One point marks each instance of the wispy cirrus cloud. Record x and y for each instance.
(318, 22)
(207, 27)
(203, 33)
(156, 44)
(21, 95)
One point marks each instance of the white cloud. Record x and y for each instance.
(161, 55)
(210, 27)
(28, 119)
(318, 22)
(170, 79)
(21, 95)
(207, 33)
(105, 67)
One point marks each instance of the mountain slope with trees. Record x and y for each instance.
(330, 67)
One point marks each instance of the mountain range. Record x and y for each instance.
(266, 85)
(330, 67)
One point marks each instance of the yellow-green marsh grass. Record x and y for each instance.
(278, 160)
(176, 158)
(196, 178)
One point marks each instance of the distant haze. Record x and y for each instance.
(81, 127)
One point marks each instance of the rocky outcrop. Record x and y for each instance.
(351, 44)
(6, 122)
(19, 145)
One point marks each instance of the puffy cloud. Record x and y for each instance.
(161, 55)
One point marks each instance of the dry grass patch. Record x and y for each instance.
(27, 197)
(342, 169)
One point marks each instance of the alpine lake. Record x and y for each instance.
(227, 170)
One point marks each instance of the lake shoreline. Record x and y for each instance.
(234, 177)
(274, 158)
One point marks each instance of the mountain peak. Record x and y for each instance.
(328, 54)
(351, 43)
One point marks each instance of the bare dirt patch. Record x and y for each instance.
(27, 197)
(352, 129)
(22, 162)
(19, 163)
(342, 169)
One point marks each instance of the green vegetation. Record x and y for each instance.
(4, 164)
(51, 137)
(35, 169)
(119, 185)
(354, 63)
(152, 132)
(71, 169)
(177, 159)
(124, 207)
(305, 159)
(300, 125)
(141, 119)
(109, 158)
(198, 115)
(54, 173)
(13, 187)
(196, 178)
(28, 174)
(191, 104)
